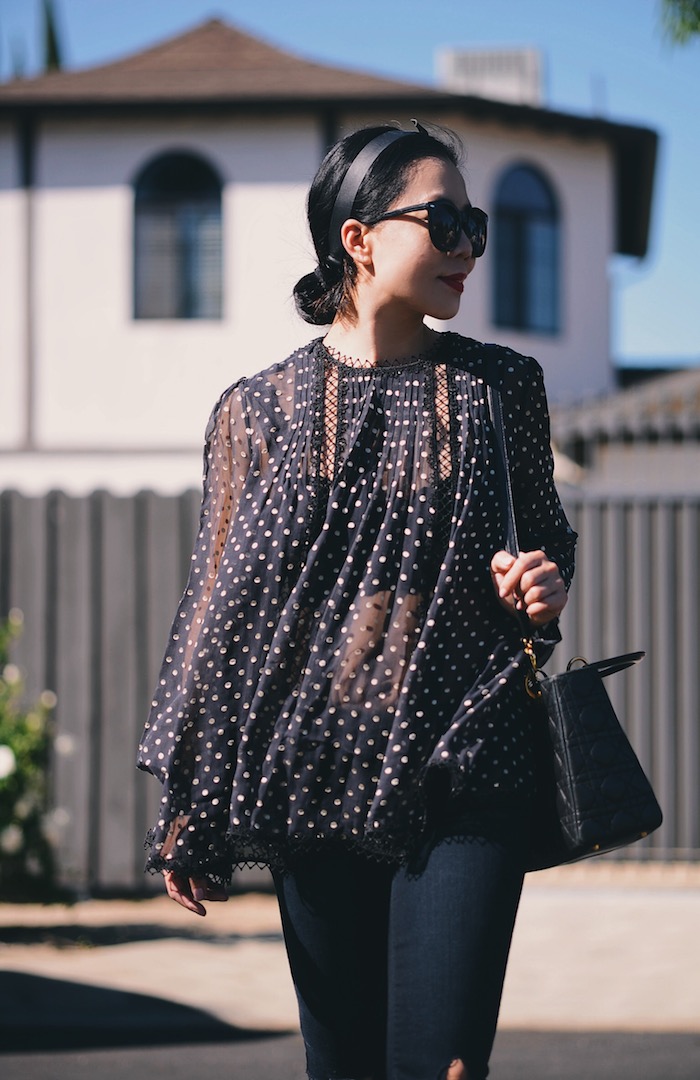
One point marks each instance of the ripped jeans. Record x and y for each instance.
(399, 973)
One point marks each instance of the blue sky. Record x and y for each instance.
(604, 56)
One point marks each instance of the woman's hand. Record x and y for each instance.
(530, 583)
(189, 891)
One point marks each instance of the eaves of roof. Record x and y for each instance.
(662, 408)
(216, 68)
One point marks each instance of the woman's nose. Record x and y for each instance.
(464, 247)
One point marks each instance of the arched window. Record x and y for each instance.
(177, 239)
(526, 261)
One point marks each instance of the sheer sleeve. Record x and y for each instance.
(542, 522)
(227, 462)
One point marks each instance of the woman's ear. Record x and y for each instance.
(355, 239)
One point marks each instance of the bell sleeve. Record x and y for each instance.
(187, 708)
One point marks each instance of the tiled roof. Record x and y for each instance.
(663, 407)
(213, 61)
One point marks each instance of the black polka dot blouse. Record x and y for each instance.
(339, 638)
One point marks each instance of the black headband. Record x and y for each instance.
(352, 181)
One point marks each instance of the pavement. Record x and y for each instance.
(603, 951)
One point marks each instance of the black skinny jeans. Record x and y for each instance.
(399, 973)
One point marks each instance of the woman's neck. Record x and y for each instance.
(373, 342)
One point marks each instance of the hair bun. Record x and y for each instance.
(314, 296)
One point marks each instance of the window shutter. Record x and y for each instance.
(178, 240)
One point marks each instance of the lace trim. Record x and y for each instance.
(354, 363)
(341, 420)
(318, 489)
(248, 850)
(478, 825)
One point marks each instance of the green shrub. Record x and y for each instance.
(27, 870)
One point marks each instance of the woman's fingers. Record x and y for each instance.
(179, 889)
(541, 611)
(531, 582)
(501, 563)
(528, 565)
(190, 891)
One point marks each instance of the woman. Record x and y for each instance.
(342, 696)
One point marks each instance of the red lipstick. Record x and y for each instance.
(455, 281)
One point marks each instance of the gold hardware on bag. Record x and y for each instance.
(531, 684)
(576, 660)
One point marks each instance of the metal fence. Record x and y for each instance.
(98, 579)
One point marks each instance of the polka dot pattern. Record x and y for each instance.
(339, 637)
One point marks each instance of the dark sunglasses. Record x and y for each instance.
(446, 223)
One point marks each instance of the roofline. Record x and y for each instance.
(662, 406)
(634, 147)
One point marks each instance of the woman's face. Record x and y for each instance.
(406, 271)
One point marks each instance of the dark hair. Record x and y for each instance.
(320, 295)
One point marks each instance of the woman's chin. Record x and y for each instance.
(443, 312)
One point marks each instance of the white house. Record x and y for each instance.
(152, 228)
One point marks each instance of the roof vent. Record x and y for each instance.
(513, 75)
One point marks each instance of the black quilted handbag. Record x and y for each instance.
(592, 794)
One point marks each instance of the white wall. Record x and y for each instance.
(12, 294)
(111, 381)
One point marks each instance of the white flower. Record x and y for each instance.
(48, 699)
(11, 840)
(55, 823)
(11, 674)
(8, 762)
(65, 745)
(15, 617)
(60, 817)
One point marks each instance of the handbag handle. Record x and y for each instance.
(611, 665)
(512, 544)
(604, 667)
